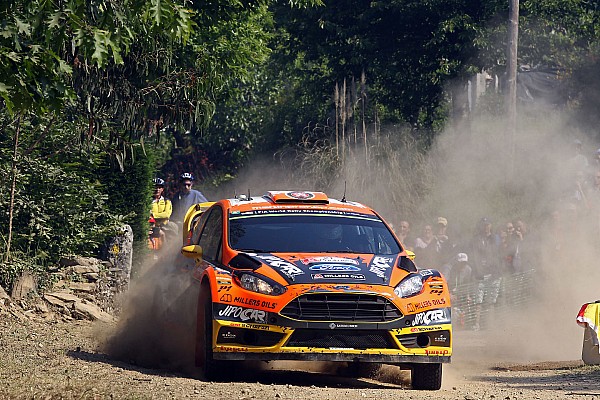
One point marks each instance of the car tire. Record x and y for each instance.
(426, 376)
(207, 367)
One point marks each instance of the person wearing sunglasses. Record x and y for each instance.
(185, 197)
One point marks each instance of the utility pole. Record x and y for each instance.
(511, 75)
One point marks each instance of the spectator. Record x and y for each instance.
(458, 273)
(445, 246)
(508, 249)
(487, 270)
(404, 235)
(161, 210)
(524, 250)
(185, 197)
(427, 249)
(459, 276)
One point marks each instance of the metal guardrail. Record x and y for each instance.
(514, 291)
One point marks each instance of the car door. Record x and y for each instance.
(211, 237)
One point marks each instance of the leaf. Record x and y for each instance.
(4, 88)
(100, 50)
(23, 27)
(55, 20)
(64, 67)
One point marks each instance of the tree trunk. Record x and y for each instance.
(12, 189)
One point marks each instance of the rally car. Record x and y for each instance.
(296, 275)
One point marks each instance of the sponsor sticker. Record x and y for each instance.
(244, 314)
(338, 260)
(430, 317)
(254, 303)
(412, 307)
(284, 266)
(334, 268)
(334, 325)
(425, 328)
(358, 277)
(226, 298)
(380, 265)
(301, 195)
(437, 352)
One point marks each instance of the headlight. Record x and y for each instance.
(258, 285)
(409, 286)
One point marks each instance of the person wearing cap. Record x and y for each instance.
(185, 197)
(162, 209)
(445, 245)
(460, 284)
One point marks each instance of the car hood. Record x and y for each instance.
(330, 268)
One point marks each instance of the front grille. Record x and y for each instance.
(341, 307)
(355, 339)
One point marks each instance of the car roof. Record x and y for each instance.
(290, 199)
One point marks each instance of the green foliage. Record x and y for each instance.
(129, 191)
(59, 206)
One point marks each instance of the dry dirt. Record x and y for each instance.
(142, 356)
(44, 360)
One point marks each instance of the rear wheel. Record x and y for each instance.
(207, 366)
(426, 376)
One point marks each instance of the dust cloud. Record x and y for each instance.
(156, 326)
(466, 174)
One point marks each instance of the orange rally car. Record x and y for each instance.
(299, 276)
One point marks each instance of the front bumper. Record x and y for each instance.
(338, 341)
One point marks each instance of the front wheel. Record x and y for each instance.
(426, 376)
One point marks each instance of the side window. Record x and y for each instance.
(197, 227)
(210, 239)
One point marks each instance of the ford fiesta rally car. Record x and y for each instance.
(300, 276)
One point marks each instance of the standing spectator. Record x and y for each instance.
(445, 246)
(161, 210)
(185, 197)
(427, 248)
(508, 249)
(404, 235)
(485, 257)
(459, 276)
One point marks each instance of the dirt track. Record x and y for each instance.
(60, 360)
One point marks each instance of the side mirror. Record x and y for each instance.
(192, 251)
(411, 255)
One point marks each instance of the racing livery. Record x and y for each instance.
(299, 276)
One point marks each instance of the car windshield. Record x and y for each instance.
(307, 233)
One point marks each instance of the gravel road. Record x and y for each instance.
(45, 360)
